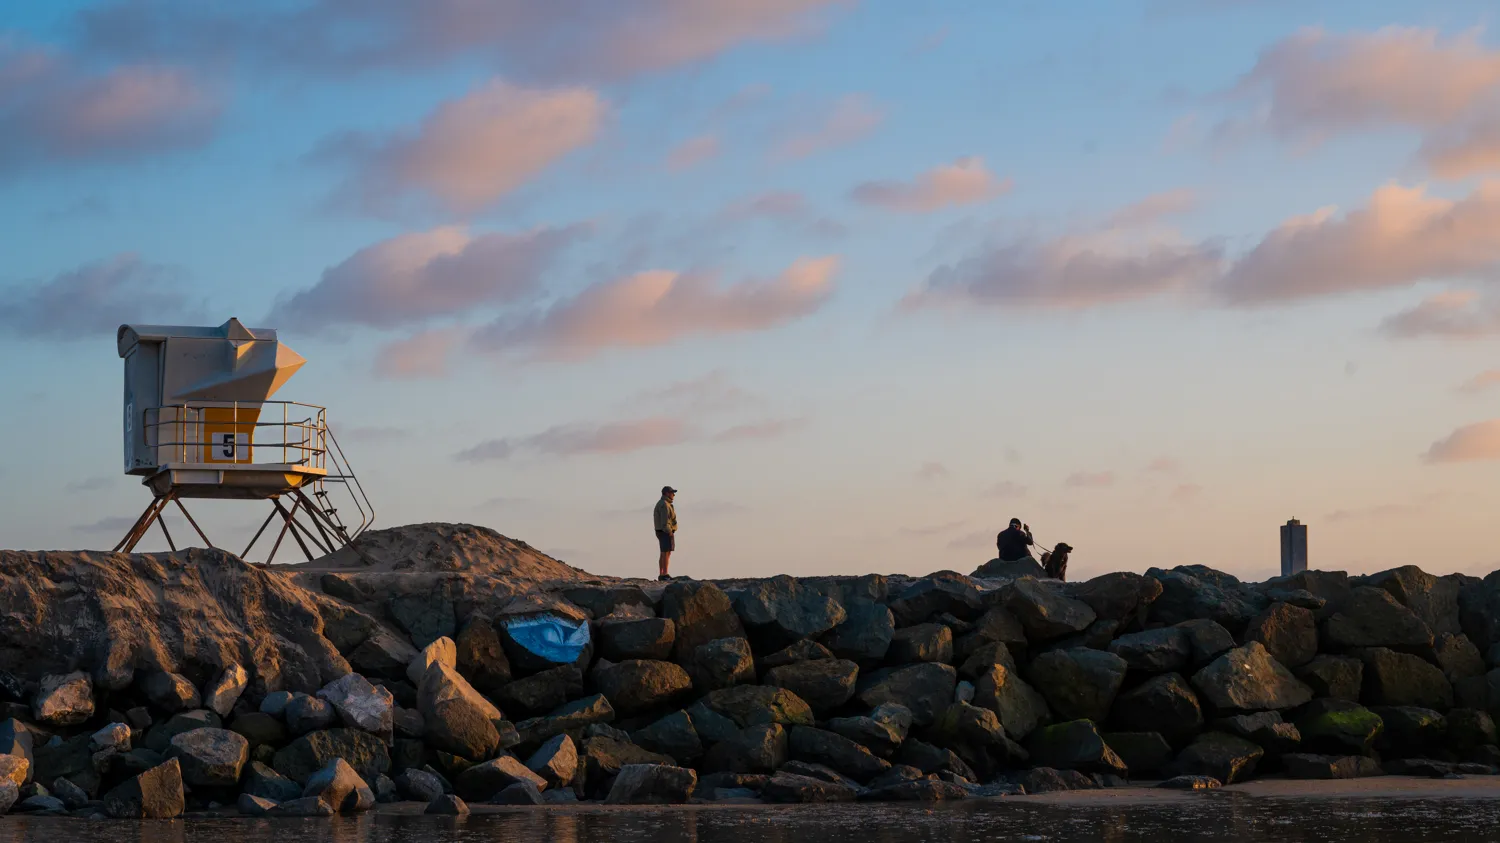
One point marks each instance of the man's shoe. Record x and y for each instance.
(663, 578)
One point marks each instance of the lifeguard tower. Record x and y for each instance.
(199, 423)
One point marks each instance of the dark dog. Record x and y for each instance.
(1055, 561)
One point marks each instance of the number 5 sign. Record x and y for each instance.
(228, 446)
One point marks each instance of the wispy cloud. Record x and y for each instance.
(966, 181)
(1373, 513)
(91, 484)
(1481, 382)
(1470, 443)
(712, 392)
(766, 429)
(693, 152)
(932, 471)
(621, 437)
(851, 119)
(1456, 314)
(94, 299)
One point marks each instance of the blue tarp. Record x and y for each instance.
(550, 637)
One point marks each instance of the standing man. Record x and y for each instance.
(665, 520)
(1014, 542)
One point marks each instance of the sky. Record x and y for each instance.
(863, 279)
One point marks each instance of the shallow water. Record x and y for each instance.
(1211, 817)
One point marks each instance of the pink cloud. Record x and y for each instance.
(470, 152)
(1153, 208)
(658, 307)
(776, 204)
(1090, 480)
(92, 300)
(1314, 83)
(1470, 443)
(1483, 381)
(1455, 314)
(752, 431)
(413, 277)
(1466, 150)
(851, 119)
(585, 439)
(1402, 236)
(932, 471)
(55, 112)
(423, 355)
(692, 152)
(568, 39)
(966, 181)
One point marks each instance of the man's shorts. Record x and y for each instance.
(668, 541)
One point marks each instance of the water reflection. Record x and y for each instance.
(1224, 817)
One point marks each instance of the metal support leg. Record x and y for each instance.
(256, 537)
(189, 517)
(338, 530)
(286, 525)
(291, 520)
(142, 524)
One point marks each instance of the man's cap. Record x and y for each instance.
(1015, 520)
(668, 490)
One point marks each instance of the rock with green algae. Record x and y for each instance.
(1339, 726)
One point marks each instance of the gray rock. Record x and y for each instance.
(1119, 596)
(1307, 766)
(1469, 728)
(923, 790)
(636, 638)
(1220, 756)
(16, 740)
(1338, 727)
(1045, 613)
(1191, 592)
(787, 788)
(1207, 639)
(520, 793)
(556, 761)
(225, 690)
(999, 569)
(481, 656)
(305, 806)
(1264, 728)
(419, 786)
(275, 703)
(976, 735)
(926, 642)
(170, 692)
(923, 689)
(210, 757)
(265, 783)
(1249, 679)
(1052, 780)
(805, 650)
(755, 749)
(154, 794)
(10, 794)
(603, 757)
(865, 635)
(254, 806)
(783, 610)
(824, 684)
(361, 705)
(1458, 657)
(1339, 677)
(439, 650)
(457, 718)
(882, 731)
(425, 617)
(1020, 708)
(672, 735)
(41, 804)
(1191, 783)
(336, 785)
(306, 755)
(1371, 617)
(573, 716)
(639, 686)
(944, 591)
(1289, 633)
(482, 781)
(1410, 731)
(1433, 599)
(1075, 745)
(115, 736)
(1163, 704)
(383, 653)
(71, 795)
(836, 752)
(542, 692)
(1163, 650)
(755, 705)
(932, 759)
(260, 730)
(700, 612)
(722, 663)
(15, 769)
(64, 700)
(447, 805)
(1078, 684)
(652, 784)
(1143, 753)
(1392, 678)
(307, 713)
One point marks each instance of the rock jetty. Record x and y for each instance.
(146, 686)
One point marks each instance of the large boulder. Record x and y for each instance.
(1398, 679)
(1218, 755)
(226, 689)
(1263, 728)
(824, 684)
(440, 650)
(639, 686)
(756, 749)
(542, 692)
(1410, 731)
(1339, 677)
(865, 635)
(170, 692)
(757, 705)
(264, 782)
(1479, 610)
(1163, 704)
(1207, 640)
(635, 638)
(556, 761)
(672, 735)
(361, 705)
(1433, 599)
(305, 713)
(805, 650)
(1019, 706)
(652, 784)
(457, 718)
(482, 781)
(836, 752)
(722, 663)
(1191, 592)
(789, 788)
(480, 655)
(366, 753)
(1371, 617)
(1306, 766)
(160, 736)
(1162, 650)
(336, 785)
(1143, 753)
(699, 612)
(64, 699)
(935, 594)
(976, 735)
(1079, 684)
(604, 757)
(154, 794)
(1289, 633)
(1075, 745)
(1000, 569)
(1045, 613)
(1119, 596)
(923, 689)
(782, 610)
(571, 717)
(1249, 679)
(384, 653)
(925, 642)
(881, 731)
(1457, 656)
(425, 616)
(1339, 727)
(210, 757)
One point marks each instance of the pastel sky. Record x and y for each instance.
(862, 279)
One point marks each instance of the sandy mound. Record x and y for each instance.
(439, 547)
